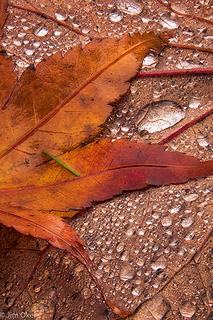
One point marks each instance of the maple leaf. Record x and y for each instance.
(63, 102)
(53, 169)
(106, 169)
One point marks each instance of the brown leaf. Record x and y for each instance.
(7, 80)
(53, 229)
(63, 102)
(107, 169)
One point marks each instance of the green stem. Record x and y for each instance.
(62, 163)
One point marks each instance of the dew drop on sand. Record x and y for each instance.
(129, 6)
(115, 17)
(29, 52)
(187, 222)
(191, 197)
(202, 141)
(168, 23)
(166, 221)
(127, 272)
(161, 115)
(194, 103)
(150, 61)
(158, 307)
(187, 309)
(41, 31)
(60, 15)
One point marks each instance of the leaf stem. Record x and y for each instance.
(188, 15)
(178, 72)
(62, 163)
(188, 46)
(186, 126)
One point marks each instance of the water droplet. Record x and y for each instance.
(156, 215)
(29, 52)
(136, 291)
(191, 197)
(21, 34)
(87, 293)
(61, 15)
(21, 64)
(140, 262)
(187, 309)
(115, 17)
(17, 42)
(158, 307)
(182, 251)
(130, 231)
(166, 221)
(168, 23)
(141, 232)
(41, 31)
(124, 129)
(160, 115)
(187, 222)
(175, 209)
(36, 44)
(129, 6)
(9, 27)
(57, 33)
(127, 272)
(173, 242)
(85, 30)
(150, 61)
(194, 103)
(125, 256)
(190, 236)
(161, 263)
(202, 140)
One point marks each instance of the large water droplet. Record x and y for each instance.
(41, 31)
(175, 209)
(190, 236)
(161, 263)
(140, 262)
(130, 232)
(115, 17)
(160, 115)
(136, 291)
(191, 197)
(150, 61)
(61, 15)
(29, 52)
(158, 307)
(187, 222)
(187, 309)
(194, 103)
(168, 23)
(127, 272)
(202, 141)
(17, 42)
(129, 6)
(166, 221)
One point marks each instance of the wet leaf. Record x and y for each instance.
(106, 169)
(53, 229)
(64, 100)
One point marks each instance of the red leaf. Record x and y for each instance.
(107, 169)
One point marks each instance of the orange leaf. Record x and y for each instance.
(63, 102)
(107, 169)
(7, 79)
